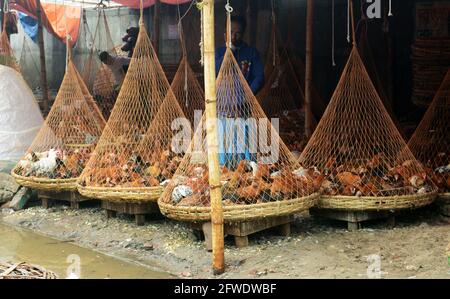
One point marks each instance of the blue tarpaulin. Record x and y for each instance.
(30, 26)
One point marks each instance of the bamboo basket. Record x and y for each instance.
(144, 194)
(46, 184)
(444, 196)
(367, 203)
(237, 213)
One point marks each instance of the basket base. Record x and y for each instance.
(138, 210)
(355, 219)
(444, 206)
(73, 197)
(241, 230)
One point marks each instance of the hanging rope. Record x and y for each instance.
(201, 43)
(348, 21)
(141, 16)
(333, 58)
(274, 56)
(229, 10)
(5, 11)
(390, 14)
(184, 56)
(353, 23)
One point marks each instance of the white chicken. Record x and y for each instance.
(46, 164)
(30, 158)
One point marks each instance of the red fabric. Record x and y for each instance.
(147, 3)
(53, 17)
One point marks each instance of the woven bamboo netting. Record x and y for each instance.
(6, 53)
(134, 156)
(29, 67)
(431, 141)
(85, 42)
(257, 181)
(186, 86)
(98, 77)
(282, 96)
(66, 140)
(357, 146)
(317, 104)
(188, 91)
(364, 47)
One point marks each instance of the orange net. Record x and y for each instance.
(317, 104)
(99, 77)
(85, 42)
(135, 155)
(29, 66)
(6, 53)
(431, 141)
(188, 91)
(357, 146)
(186, 86)
(364, 48)
(66, 140)
(260, 177)
(282, 96)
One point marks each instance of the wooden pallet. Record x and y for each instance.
(241, 230)
(73, 197)
(444, 207)
(139, 210)
(354, 219)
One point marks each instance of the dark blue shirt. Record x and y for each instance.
(250, 62)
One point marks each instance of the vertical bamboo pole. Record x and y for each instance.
(309, 67)
(156, 25)
(44, 86)
(212, 138)
(2, 13)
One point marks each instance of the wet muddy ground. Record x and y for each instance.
(317, 247)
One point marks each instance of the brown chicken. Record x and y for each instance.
(349, 190)
(263, 171)
(368, 189)
(192, 201)
(250, 193)
(348, 178)
(240, 170)
(330, 163)
(375, 161)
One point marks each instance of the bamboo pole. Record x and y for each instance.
(212, 138)
(309, 67)
(2, 13)
(156, 25)
(44, 86)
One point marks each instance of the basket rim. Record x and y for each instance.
(43, 180)
(127, 194)
(396, 202)
(230, 212)
(444, 195)
(45, 183)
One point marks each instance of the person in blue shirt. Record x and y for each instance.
(247, 57)
(235, 135)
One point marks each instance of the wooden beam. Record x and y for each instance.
(44, 84)
(156, 25)
(212, 138)
(309, 67)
